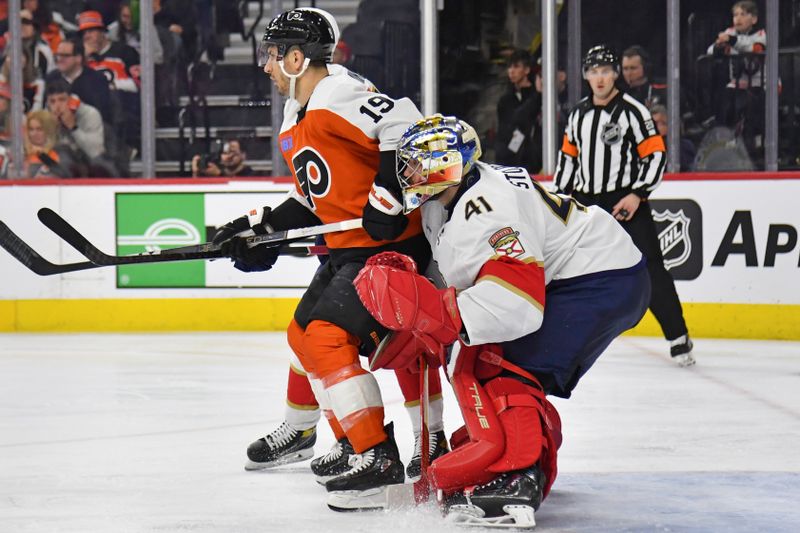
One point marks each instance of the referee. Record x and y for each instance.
(613, 157)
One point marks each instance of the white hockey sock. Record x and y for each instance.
(301, 419)
(435, 411)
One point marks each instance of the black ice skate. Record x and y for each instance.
(365, 486)
(437, 447)
(681, 351)
(283, 446)
(507, 501)
(334, 463)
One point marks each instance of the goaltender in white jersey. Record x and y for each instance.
(502, 211)
(538, 287)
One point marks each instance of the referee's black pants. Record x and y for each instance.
(664, 302)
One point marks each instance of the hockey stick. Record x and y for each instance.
(37, 264)
(422, 487)
(31, 259)
(207, 250)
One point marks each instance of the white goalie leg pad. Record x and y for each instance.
(517, 517)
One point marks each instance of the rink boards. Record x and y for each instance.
(731, 242)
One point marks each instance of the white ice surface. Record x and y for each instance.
(129, 433)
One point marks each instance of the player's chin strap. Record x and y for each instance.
(293, 77)
(509, 424)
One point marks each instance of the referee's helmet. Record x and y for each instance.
(599, 56)
(433, 155)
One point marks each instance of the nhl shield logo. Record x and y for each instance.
(611, 133)
(673, 237)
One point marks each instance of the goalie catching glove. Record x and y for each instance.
(402, 300)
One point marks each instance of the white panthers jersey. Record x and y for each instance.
(505, 213)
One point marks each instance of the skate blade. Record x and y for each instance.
(295, 457)
(324, 479)
(388, 497)
(517, 516)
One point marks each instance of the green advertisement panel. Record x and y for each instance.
(159, 221)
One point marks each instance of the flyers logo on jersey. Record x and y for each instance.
(313, 174)
(506, 242)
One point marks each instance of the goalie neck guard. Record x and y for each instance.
(432, 156)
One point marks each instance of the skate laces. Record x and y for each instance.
(361, 461)
(281, 436)
(333, 454)
(433, 441)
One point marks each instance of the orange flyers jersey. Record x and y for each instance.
(334, 151)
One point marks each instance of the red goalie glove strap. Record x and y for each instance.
(405, 301)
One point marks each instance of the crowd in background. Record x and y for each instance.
(81, 80)
(81, 75)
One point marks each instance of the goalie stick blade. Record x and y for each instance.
(37, 264)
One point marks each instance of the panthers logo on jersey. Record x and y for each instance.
(506, 243)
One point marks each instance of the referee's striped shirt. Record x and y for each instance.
(609, 148)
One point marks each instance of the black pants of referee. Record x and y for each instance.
(664, 302)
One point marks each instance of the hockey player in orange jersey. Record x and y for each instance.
(338, 139)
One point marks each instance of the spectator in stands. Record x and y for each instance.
(32, 44)
(90, 86)
(32, 83)
(80, 125)
(40, 140)
(122, 30)
(688, 150)
(231, 162)
(742, 104)
(5, 112)
(179, 19)
(509, 141)
(342, 53)
(49, 29)
(119, 63)
(108, 9)
(636, 72)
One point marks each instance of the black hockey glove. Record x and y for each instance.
(382, 226)
(256, 220)
(256, 259)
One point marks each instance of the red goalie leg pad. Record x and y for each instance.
(520, 410)
(469, 464)
(552, 435)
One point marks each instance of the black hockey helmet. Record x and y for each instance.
(313, 30)
(598, 56)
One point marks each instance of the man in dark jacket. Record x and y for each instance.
(509, 141)
(90, 86)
